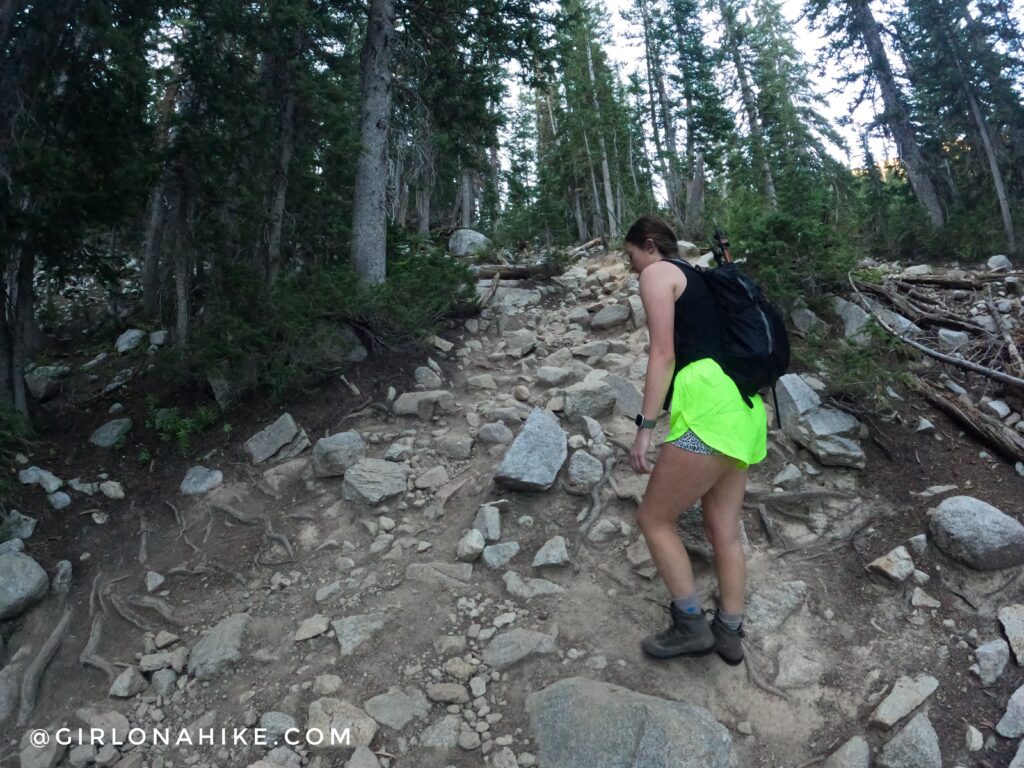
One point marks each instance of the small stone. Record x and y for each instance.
(498, 555)
(921, 599)
(128, 684)
(448, 693)
(59, 500)
(199, 480)
(470, 546)
(897, 564)
(112, 490)
(992, 658)
(110, 433)
(553, 553)
(907, 695)
(154, 581)
(973, 740)
(312, 627)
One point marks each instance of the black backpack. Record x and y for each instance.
(755, 344)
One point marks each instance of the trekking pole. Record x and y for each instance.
(720, 246)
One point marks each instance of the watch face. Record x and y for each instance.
(639, 420)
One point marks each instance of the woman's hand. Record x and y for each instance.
(638, 455)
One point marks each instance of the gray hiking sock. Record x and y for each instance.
(689, 604)
(731, 621)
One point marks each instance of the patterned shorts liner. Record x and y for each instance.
(690, 442)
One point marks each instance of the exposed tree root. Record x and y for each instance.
(89, 658)
(144, 531)
(34, 672)
(596, 501)
(276, 538)
(129, 615)
(756, 679)
(160, 607)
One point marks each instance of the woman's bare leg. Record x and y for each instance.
(722, 505)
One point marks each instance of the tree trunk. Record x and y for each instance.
(673, 181)
(598, 219)
(151, 252)
(609, 200)
(466, 197)
(182, 268)
(896, 116)
(693, 228)
(581, 223)
(369, 223)
(758, 154)
(22, 326)
(423, 209)
(993, 165)
(285, 148)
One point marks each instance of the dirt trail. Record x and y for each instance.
(827, 638)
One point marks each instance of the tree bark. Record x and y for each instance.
(693, 228)
(897, 117)
(369, 223)
(581, 222)
(758, 150)
(609, 199)
(466, 197)
(279, 193)
(993, 165)
(599, 227)
(151, 252)
(23, 323)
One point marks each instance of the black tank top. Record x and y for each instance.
(697, 329)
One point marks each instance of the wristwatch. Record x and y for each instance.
(644, 423)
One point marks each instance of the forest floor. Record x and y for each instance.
(827, 637)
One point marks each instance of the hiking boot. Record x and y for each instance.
(686, 635)
(728, 642)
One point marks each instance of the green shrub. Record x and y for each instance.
(15, 436)
(172, 427)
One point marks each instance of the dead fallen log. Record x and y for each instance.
(974, 280)
(517, 271)
(989, 430)
(1011, 345)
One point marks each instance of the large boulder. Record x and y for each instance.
(977, 534)
(536, 455)
(218, 648)
(854, 319)
(44, 381)
(23, 582)
(464, 242)
(830, 434)
(581, 723)
(271, 439)
(422, 404)
(594, 398)
(610, 316)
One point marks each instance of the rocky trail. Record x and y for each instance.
(451, 571)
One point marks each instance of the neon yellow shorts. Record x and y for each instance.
(707, 401)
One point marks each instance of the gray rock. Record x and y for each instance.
(443, 734)
(552, 376)
(371, 481)
(855, 320)
(610, 316)
(805, 321)
(584, 470)
(520, 343)
(129, 340)
(498, 555)
(919, 269)
(916, 746)
(108, 435)
(992, 658)
(427, 378)
(59, 500)
(456, 446)
(10, 682)
(907, 694)
(271, 439)
(772, 604)
(951, 341)
(277, 724)
(529, 588)
(1012, 619)
(128, 684)
(533, 461)
(36, 476)
(554, 552)
(1011, 726)
(797, 670)
(897, 564)
(23, 583)
(11, 546)
(327, 713)
(442, 574)
(509, 648)
(796, 398)
(628, 400)
(464, 242)
(423, 404)
(46, 756)
(218, 648)
(488, 522)
(199, 480)
(163, 681)
(397, 708)
(470, 546)
(363, 757)
(229, 382)
(977, 534)
(448, 693)
(44, 382)
(158, 338)
(14, 525)
(1018, 758)
(354, 631)
(999, 263)
(853, 754)
(593, 398)
(495, 433)
(999, 408)
(333, 455)
(580, 723)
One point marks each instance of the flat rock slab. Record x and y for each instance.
(1012, 619)
(328, 713)
(771, 605)
(108, 435)
(397, 708)
(271, 439)
(23, 583)
(443, 734)
(529, 588)
(916, 746)
(853, 754)
(353, 631)
(536, 455)
(219, 647)
(906, 696)
(443, 574)
(977, 534)
(581, 723)
(371, 481)
(509, 648)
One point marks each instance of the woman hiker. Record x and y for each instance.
(713, 437)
